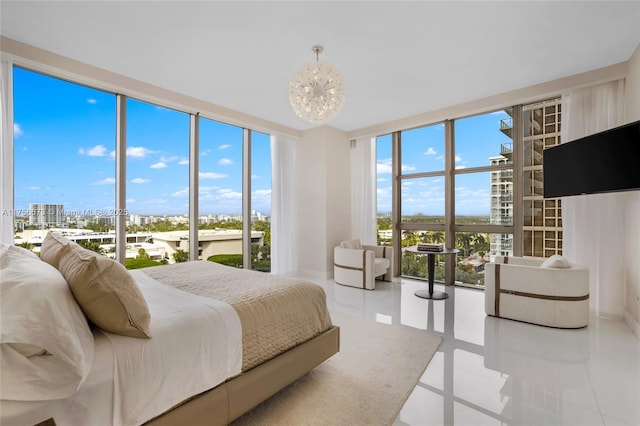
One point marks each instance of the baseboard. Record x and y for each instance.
(632, 323)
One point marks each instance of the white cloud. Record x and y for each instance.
(255, 177)
(430, 151)
(140, 180)
(212, 175)
(138, 151)
(92, 101)
(17, 130)
(407, 168)
(262, 192)
(96, 151)
(131, 200)
(169, 159)
(184, 162)
(229, 194)
(458, 159)
(159, 165)
(105, 181)
(181, 193)
(225, 161)
(384, 166)
(33, 188)
(224, 146)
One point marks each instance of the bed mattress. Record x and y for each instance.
(276, 312)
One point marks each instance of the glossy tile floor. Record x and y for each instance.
(491, 371)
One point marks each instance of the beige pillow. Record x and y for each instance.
(106, 292)
(53, 247)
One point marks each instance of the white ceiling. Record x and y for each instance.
(398, 59)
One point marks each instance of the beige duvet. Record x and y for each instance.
(276, 313)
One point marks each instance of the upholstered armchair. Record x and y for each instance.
(358, 265)
(551, 292)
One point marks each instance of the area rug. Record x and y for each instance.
(366, 383)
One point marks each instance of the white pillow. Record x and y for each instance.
(46, 345)
(556, 261)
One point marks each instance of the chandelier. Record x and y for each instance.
(316, 92)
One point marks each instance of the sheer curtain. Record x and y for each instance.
(6, 153)
(284, 250)
(593, 233)
(363, 190)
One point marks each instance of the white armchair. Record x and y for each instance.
(358, 265)
(552, 292)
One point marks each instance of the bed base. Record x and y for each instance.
(228, 401)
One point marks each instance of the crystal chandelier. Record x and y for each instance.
(316, 92)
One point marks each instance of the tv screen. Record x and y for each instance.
(603, 162)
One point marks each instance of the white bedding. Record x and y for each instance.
(91, 405)
(196, 344)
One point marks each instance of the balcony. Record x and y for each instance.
(506, 126)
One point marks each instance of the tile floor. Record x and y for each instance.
(495, 371)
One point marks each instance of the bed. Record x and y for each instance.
(201, 343)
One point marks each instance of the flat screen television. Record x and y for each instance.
(608, 161)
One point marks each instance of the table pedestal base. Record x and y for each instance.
(435, 295)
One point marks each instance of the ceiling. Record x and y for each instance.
(398, 59)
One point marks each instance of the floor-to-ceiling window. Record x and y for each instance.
(484, 189)
(260, 202)
(65, 137)
(422, 194)
(384, 177)
(220, 193)
(157, 184)
(64, 169)
(473, 183)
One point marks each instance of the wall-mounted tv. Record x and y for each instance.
(603, 162)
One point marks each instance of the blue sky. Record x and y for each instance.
(476, 140)
(65, 148)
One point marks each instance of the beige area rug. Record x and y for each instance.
(366, 383)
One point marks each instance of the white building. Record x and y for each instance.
(210, 242)
(46, 215)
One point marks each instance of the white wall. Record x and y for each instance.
(324, 194)
(632, 205)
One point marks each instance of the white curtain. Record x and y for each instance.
(593, 234)
(6, 153)
(284, 246)
(363, 190)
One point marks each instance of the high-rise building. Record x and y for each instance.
(542, 218)
(46, 215)
(542, 225)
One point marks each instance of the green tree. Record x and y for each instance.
(91, 245)
(181, 256)
(234, 260)
(26, 245)
(264, 226)
(142, 254)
